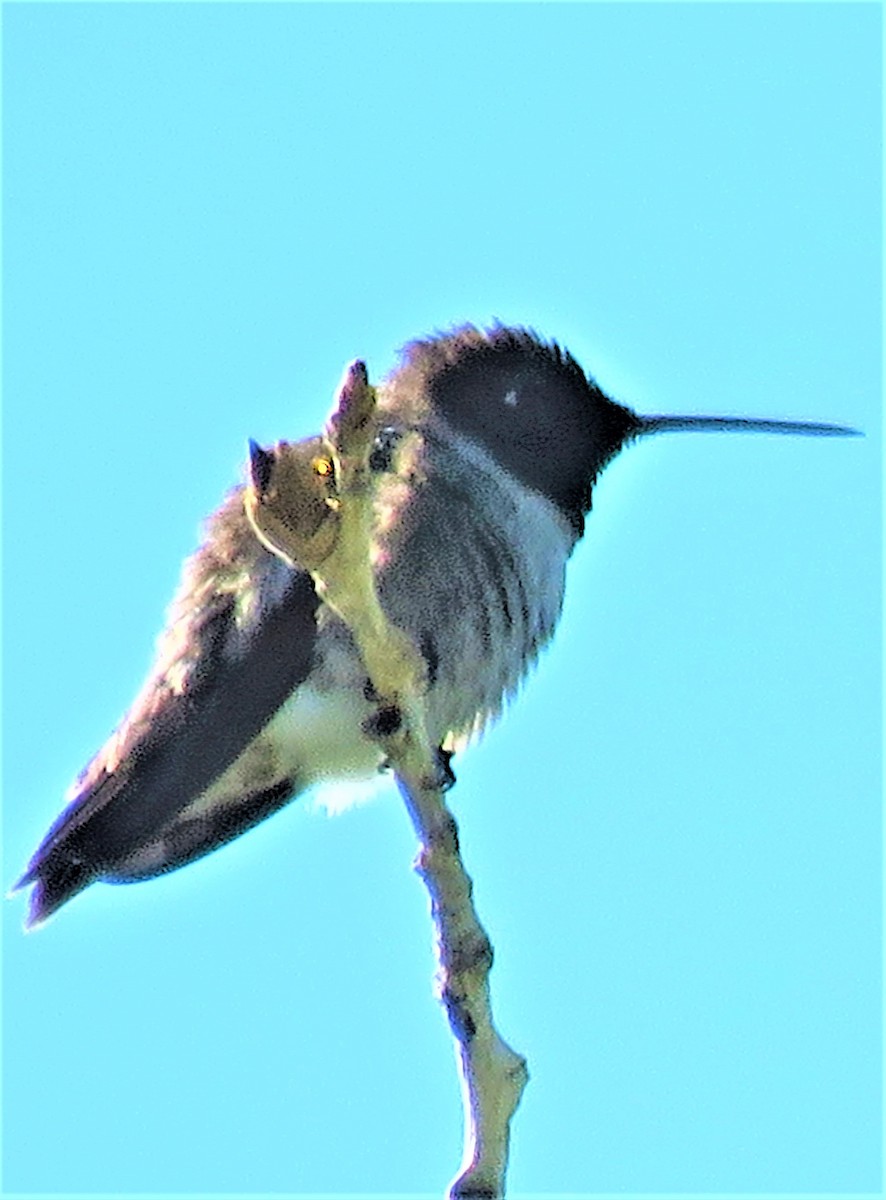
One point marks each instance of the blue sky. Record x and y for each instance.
(675, 833)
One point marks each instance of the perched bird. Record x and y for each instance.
(487, 451)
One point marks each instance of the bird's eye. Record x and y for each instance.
(322, 466)
(381, 457)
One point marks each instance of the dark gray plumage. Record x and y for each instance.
(257, 691)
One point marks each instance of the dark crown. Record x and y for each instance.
(526, 401)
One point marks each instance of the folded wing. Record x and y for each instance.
(241, 636)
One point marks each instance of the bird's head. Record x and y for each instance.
(526, 401)
(533, 408)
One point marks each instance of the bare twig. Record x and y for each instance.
(316, 510)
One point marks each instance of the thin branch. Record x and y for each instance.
(332, 476)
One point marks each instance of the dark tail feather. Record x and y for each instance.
(55, 881)
(58, 874)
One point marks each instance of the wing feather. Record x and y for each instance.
(241, 636)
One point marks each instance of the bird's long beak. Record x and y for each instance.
(679, 424)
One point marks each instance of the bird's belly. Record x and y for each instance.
(315, 735)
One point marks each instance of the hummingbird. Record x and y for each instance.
(488, 446)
